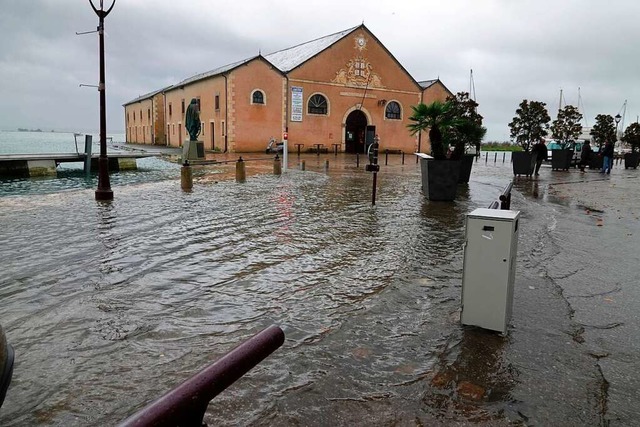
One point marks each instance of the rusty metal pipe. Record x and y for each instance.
(186, 404)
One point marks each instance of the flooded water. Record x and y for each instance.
(110, 305)
(71, 176)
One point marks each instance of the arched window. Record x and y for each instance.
(257, 97)
(393, 111)
(317, 105)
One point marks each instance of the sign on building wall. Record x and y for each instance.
(297, 104)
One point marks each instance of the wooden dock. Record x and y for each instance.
(32, 165)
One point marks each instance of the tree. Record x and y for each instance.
(632, 136)
(604, 130)
(437, 117)
(530, 123)
(469, 132)
(566, 128)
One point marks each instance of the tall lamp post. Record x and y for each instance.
(617, 120)
(104, 187)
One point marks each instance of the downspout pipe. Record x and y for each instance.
(166, 121)
(286, 106)
(226, 113)
(420, 133)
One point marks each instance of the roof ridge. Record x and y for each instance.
(348, 30)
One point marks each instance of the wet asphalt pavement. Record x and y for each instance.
(574, 340)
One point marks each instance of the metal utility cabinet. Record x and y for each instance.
(489, 268)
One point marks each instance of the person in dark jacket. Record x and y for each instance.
(585, 156)
(607, 158)
(539, 154)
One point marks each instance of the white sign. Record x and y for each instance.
(297, 104)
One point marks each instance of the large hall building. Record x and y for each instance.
(340, 90)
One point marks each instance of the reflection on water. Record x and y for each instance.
(110, 304)
(466, 387)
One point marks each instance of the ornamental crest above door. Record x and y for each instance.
(358, 72)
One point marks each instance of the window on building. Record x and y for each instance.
(198, 103)
(170, 110)
(216, 102)
(127, 117)
(257, 97)
(222, 127)
(141, 115)
(317, 105)
(183, 106)
(359, 67)
(149, 113)
(393, 111)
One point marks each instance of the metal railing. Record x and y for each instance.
(6, 365)
(504, 201)
(186, 404)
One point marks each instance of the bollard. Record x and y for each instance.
(186, 177)
(241, 173)
(495, 158)
(504, 155)
(326, 165)
(302, 165)
(486, 158)
(277, 166)
(403, 157)
(386, 157)
(357, 160)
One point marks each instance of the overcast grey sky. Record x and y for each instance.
(524, 49)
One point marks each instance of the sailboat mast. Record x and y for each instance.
(624, 113)
(580, 105)
(560, 101)
(472, 86)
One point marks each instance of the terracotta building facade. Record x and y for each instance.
(340, 91)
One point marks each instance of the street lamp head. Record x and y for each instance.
(617, 118)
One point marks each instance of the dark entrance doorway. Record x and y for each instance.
(355, 128)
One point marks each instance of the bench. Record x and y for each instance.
(388, 151)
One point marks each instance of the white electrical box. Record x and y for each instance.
(489, 271)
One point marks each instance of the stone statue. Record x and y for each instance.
(192, 120)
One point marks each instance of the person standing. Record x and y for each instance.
(607, 158)
(585, 155)
(538, 155)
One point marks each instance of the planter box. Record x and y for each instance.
(561, 159)
(522, 163)
(595, 162)
(440, 178)
(631, 160)
(466, 164)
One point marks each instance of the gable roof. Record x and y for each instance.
(146, 96)
(216, 71)
(288, 59)
(427, 83)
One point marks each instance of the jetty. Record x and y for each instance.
(38, 165)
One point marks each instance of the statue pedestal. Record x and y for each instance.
(193, 150)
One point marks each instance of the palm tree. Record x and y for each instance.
(437, 118)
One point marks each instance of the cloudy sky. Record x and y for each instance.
(524, 49)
